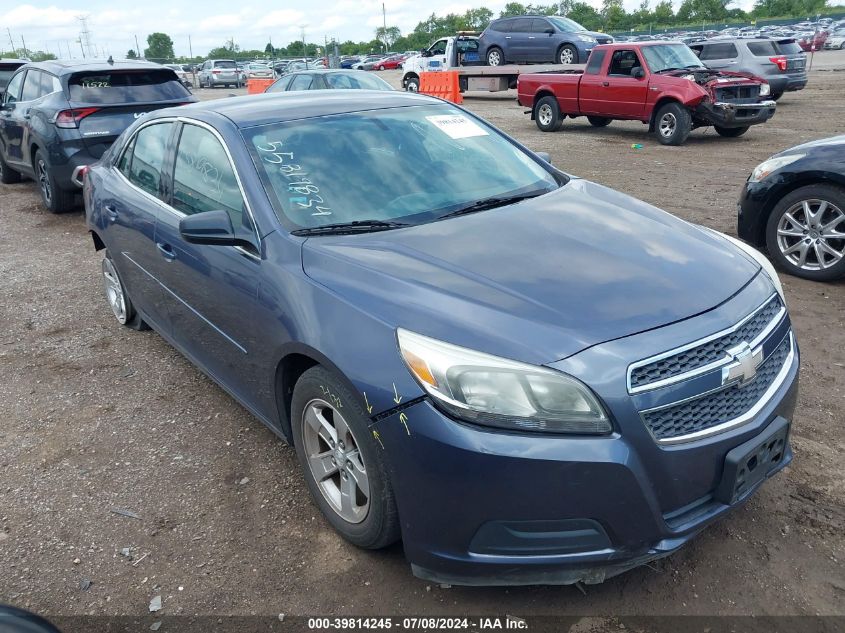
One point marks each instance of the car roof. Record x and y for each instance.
(262, 109)
(20, 62)
(68, 66)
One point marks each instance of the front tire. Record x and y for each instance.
(412, 84)
(673, 124)
(731, 132)
(56, 199)
(567, 54)
(805, 233)
(599, 121)
(777, 96)
(495, 56)
(342, 463)
(547, 114)
(119, 302)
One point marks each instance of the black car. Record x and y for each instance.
(7, 69)
(327, 79)
(57, 117)
(793, 204)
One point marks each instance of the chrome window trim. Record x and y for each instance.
(692, 373)
(189, 121)
(735, 422)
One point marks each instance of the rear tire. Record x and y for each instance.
(8, 176)
(547, 114)
(731, 132)
(119, 302)
(673, 124)
(599, 121)
(495, 56)
(56, 199)
(353, 490)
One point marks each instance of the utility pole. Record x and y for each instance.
(384, 24)
(137, 48)
(304, 46)
(85, 34)
(11, 41)
(23, 42)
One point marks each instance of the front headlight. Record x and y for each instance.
(761, 259)
(765, 90)
(587, 38)
(501, 393)
(768, 166)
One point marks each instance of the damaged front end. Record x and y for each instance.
(733, 100)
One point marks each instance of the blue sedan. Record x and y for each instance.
(525, 376)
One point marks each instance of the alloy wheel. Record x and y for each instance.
(545, 114)
(114, 291)
(811, 234)
(335, 461)
(566, 56)
(494, 58)
(44, 181)
(667, 125)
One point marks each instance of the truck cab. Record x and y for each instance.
(447, 53)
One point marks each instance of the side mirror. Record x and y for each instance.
(638, 73)
(549, 30)
(209, 227)
(426, 53)
(544, 156)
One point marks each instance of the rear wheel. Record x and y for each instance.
(547, 114)
(805, 233)
(56, 199)
(731, 132)
(119, 301)
(673, 124)
(599, 121)
(381, 67)
(344, 468)
(495, 56)
(8, 176)
(567, 54)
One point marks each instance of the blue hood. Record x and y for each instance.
(536, 281)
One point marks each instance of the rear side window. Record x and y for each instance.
(502, 26)
(724, 50)
(148, 157)
(225, 64)
(521, 25)
(790, 47)
(126, 86)
(762, 49)
(31, 86)
(594, 62)
(49, 84)
(280, 85)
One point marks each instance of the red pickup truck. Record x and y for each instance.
(662, 84)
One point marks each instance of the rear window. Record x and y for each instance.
(225, 65)
(594, 62)
(126, 87)
(5, 76)
(790, 47)
(762, 49)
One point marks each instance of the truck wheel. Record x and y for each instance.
(547, 114)
(567, 54)
(412, 84)
(731, 132)
(805, 233)
(495, 56)
(599, 121)
(673, 124)
(777, 96)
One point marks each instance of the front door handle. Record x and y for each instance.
(111, 212)
(166, 251)
(605, 83)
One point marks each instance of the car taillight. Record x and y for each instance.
(216, 72)
(71, 118)
(780, 61)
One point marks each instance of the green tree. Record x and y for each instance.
(478, 19)
(269, 51)
(613, 14)
(159, 47)
(388, 35)
(512, 8)
(664, 13)
(585, 15)
(131, 54)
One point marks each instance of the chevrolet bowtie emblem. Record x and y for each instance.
(743, 367)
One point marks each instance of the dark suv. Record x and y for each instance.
(781, 62)
(57, 117)
(540, 39)
(7, 69)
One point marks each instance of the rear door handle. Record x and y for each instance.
(111, 212)
(166, 251)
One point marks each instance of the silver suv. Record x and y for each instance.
(781, 62)
(219, 72)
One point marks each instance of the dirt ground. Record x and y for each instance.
(96, 417)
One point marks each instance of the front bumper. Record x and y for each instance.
(480, 507)
(734, 114)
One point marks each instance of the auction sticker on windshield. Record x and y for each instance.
(457, 126)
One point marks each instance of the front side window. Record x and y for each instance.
(280, 85)
(410, 164)
(623, 63)
(301, 82)
(438, 48)
(521, 25)
(203, 178)
(13, 90)
(148, 157)
(357, 80)
(539, 25)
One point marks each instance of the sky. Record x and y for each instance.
(113, 25)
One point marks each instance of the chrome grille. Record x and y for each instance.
(720, 407)
(649, 373)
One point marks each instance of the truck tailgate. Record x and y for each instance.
(562, 84)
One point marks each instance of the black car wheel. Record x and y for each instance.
(673, 124)
(8, 176)
(599, 121)
(412, 84)
(805, 233)
(56, 199)
(567, 54)
(344, 468)
(547, 114)
(495, 56)
(731, 132)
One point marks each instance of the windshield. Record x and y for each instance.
(565, 24)
(665, 56)
(410, 165)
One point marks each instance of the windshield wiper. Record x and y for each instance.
(490, 203)
(356, 226)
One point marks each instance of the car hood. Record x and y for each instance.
(835, 143)
(536, 281)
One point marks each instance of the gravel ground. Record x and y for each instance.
(97, 418)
